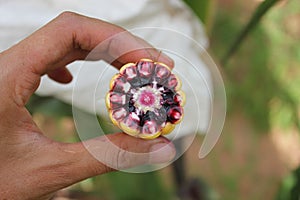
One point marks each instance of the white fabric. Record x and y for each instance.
(20, 18)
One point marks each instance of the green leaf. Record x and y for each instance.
(201, 8)
(260, 11)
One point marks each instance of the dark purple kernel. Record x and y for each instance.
(135, 82)
(168, 97)
(145, 81)
(144, 117)
(159, 116)
(131, 107)
(174, 114)
(178, 99)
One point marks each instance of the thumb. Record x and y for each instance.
(115, 152)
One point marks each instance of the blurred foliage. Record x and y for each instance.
(243, 88)
(260, 11)
(290, 187)
(125, 186)
(254, 75)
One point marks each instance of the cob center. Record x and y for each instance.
(147, 99)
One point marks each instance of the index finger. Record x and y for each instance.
(71, 37)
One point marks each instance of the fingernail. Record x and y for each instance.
(161, 153)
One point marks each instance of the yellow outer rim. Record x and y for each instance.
(112, 81)
(107, 101)
(179, 83)
(146, 60)
(164, 65)
(169, 127)
(115, 122)
(149, 137)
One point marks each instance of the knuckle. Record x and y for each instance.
(68, 20)
(68, 15)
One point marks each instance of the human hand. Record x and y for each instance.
(34, 166)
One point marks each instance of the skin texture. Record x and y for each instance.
(33, 166)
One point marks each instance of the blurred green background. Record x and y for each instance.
(257, 47)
